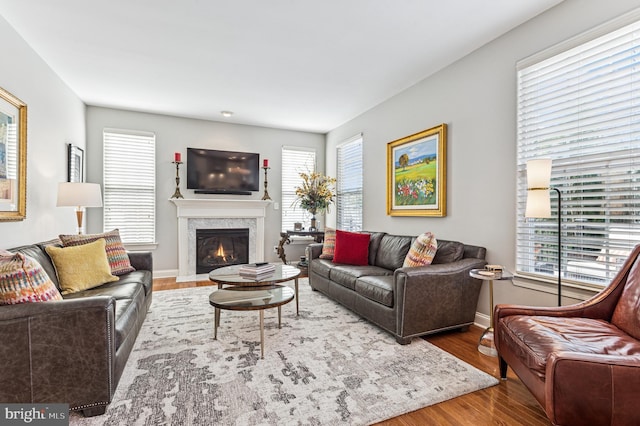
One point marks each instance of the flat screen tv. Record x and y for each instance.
(222, 172)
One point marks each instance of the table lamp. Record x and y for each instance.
(79, 195)
(539, 203)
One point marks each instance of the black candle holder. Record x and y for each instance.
(266, 193)
(177, 193)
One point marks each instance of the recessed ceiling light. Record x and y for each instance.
(226, 114)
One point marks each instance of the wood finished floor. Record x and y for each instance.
(508, 403)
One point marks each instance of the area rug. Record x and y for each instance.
(326, 366)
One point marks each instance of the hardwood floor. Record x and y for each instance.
(508, 403)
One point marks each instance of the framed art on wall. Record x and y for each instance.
(13, 157)
(416, 174)
(75, 161)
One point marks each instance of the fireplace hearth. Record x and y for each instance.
(216, 248)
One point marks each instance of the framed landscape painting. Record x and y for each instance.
(416, 174)
(13, 157)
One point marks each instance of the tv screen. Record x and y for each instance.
(222, 172)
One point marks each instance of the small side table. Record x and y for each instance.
(486, 344)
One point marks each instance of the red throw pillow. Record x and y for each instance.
(352, 248)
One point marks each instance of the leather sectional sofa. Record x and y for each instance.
(409, 301)
(73, 351)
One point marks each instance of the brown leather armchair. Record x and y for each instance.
(581, 362)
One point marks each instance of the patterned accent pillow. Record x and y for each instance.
(422, 251)
(329, 244)
(81, 267)
(116, 253)
(22, 280)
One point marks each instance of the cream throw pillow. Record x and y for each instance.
(81, 267)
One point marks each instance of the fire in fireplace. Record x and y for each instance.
(216, 248)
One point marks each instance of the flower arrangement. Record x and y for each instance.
(316, 192)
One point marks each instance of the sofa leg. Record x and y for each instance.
(403, 340)
(503, 369)
(94, 411)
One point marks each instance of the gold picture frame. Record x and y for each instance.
(417, 175)
(13, 157)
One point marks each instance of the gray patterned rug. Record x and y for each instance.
(325, 367)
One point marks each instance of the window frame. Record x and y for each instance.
(356, 191)
(289, 183)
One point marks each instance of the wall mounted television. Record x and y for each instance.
(222, 172)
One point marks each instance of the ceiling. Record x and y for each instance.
(293, 64)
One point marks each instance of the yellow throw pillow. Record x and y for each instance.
(81, 267)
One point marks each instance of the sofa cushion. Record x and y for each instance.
(374, 245)
(321, 267)
(376, 288)
(392, 251)
(534, 338)
(116, 253)
(448, 251)
(38, 253)
(352, 248)
(81, 267)
(346, 276)
(328, 244)
(422, 251)
(23, 280)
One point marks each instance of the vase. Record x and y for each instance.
(313, 226)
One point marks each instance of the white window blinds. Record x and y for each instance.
(581, 108)
(295, 160)
(349, 184)
(130, 184)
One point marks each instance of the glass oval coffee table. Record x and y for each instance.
(230, 276)
(253, 296)
(250, 299)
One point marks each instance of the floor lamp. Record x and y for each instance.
(79, 195)
(539, 203)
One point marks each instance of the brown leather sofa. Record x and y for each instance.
(581, 362)
(73, 351)
(407, 302)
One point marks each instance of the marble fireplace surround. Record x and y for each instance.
(212, 213)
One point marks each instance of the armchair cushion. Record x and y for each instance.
(625, 314)
(81, 267)
(23, 280)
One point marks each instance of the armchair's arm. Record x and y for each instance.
(436, 297)
(141, 260)
(58, 352)
(583, 388)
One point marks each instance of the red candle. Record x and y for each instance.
(176, 157)
(265, 162)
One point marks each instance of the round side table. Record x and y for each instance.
(486, 344)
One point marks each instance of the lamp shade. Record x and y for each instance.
(538, 203)
(79, 194)
(539, 173)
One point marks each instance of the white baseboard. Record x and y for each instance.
(482, 320)
(165, 273)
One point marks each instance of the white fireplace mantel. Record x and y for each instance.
(217, 208)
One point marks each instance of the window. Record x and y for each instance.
(581, 108)
(295, 160)
(349, 184)
(130, 185)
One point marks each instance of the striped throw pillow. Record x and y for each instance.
(22, 280)
(422, 251)
(329, 244)
(116, 253)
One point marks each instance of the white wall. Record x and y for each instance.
(55, 117)
(476, 97)
(174, 134)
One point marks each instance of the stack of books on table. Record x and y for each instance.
(257, 271)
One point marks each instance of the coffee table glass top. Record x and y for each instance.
(251, 298)
(230, 275)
